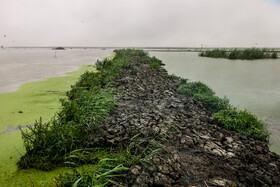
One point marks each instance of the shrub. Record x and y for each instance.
(193, 88)
(156, 63)
(205, 95)
(274, 55)
(245, 54)
(87, 107)
(242, 122)
(212, 103)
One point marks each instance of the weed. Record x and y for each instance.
(243, 122)
(205, 95)
(156, 63)
(172, 76)
(193, 88)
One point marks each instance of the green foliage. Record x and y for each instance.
(109, 165)
(243, 122)
(246, 54)
(215, 53)
(172, 76)
(212, 103)
(274, 55)
(64, 139)
(87, 107)
(156, 63)
(193, 88)
(101, 175)
(205, 95)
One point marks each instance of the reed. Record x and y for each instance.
(246, 54)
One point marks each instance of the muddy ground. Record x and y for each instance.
(195, 151)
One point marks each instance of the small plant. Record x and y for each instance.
(205, 95)
(156, 63)
(172, 76)
(242, 122)
(183, 80)
(213, 103)
(193, 88)
(101, 174)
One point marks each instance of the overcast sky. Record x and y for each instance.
(217, 23)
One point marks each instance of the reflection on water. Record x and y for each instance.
(254, 85)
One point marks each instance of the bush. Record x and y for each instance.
(242, 122)
(205, 95)
(246, 54)
(193, 88)
(156, 63)
(274, 55)
(212, 103)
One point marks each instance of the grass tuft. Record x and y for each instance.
(243, 122)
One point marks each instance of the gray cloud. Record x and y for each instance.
(140, 23)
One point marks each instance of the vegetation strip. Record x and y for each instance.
(246, 54)
(119, 117)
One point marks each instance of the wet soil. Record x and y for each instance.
(195, 151)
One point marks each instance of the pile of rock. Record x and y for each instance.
(195, 151)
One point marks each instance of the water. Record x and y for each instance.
(18, 66)
(252, 85)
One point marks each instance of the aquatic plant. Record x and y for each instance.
(244, 54)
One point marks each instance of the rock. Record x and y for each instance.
(194, 150)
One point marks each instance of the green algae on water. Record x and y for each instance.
(22, 107)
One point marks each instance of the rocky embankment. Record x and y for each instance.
(195, 150)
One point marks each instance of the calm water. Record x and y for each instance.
(18, 66)
(254, 85)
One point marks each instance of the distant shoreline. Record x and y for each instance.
(158, 49)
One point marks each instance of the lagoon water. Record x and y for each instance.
(21, 65)
(252, 85)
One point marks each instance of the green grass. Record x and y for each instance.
(243, 122)
(245, 54)
(205, 95)
(231, 118)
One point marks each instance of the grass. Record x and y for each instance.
(246, 54)
(231, 118)
(205, 95)
(243, 122)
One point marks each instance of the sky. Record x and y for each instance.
(140, 23)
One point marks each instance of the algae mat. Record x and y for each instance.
(23, 107)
